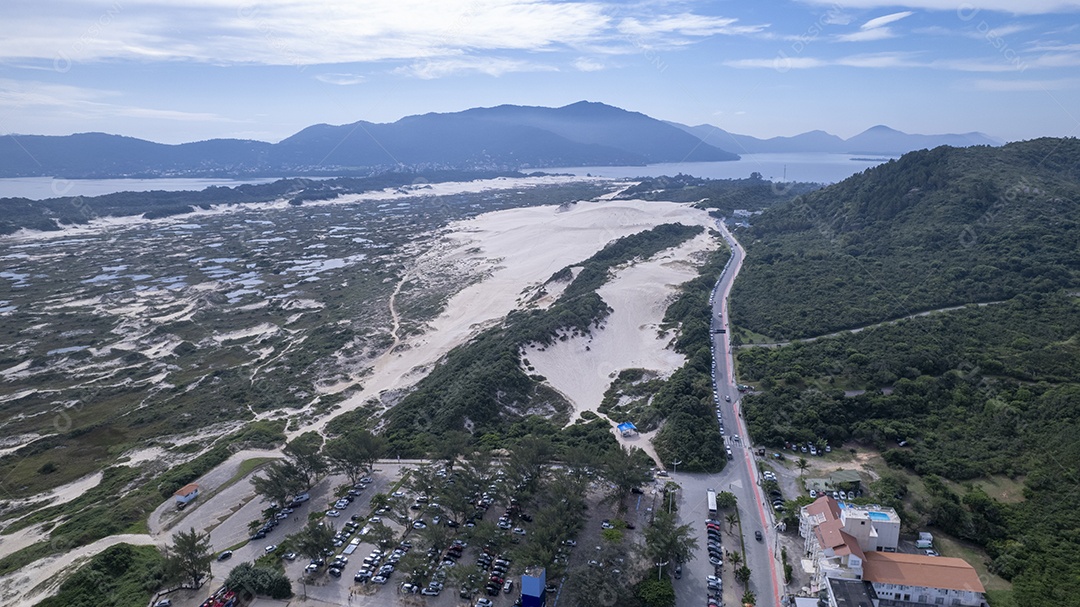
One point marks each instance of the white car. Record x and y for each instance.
(519, 531)
(398, 494)
(333, 514)
(270, 548)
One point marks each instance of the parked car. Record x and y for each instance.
(224, 556)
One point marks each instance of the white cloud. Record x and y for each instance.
(87, 103)
(975, 32)
(686, 24)
(781, 63)
(998, 63)
(885, 20)
(340, 79)
(306, 32)
(1016, 7)
(1010, 86)
(875, 29)
(585, 64)
(880, 33)
(491, 66)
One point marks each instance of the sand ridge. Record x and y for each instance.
(519, 249)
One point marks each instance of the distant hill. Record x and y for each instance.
(875, 140)
(506, 137)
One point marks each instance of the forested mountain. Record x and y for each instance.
(935, 228)
(503, 137)
(959, 401)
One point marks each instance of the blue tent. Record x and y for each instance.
(626, 428)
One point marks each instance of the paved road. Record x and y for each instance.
(739, 477)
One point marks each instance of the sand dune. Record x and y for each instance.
(521, 249)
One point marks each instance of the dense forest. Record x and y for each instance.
(935, 228)
(723, 195)
(690, 433)
(958, 396)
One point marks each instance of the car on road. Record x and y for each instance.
(757, 535)
(224, 556)
(270, 548)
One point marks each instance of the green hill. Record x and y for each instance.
(936, 228)
(970, 395)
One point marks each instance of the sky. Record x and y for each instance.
(172, 71)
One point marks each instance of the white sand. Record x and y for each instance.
(529, 245)
(630, 337)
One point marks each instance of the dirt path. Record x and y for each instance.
(893, 321)
(33, 582)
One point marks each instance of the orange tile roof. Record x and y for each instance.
(186, 489)
(851, 546)
(824, 505)
(920, 570)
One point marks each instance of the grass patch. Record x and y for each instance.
(948, 546)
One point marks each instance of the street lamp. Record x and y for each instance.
(660, 569)
(675, 466)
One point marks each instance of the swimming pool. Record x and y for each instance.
(878, 516)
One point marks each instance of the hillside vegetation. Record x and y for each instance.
(936, 228)
(972, 393)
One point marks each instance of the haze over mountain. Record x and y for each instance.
(878, 139)
(503, 137)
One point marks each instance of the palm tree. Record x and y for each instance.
(731, 520)
(735, 559)
(802, 465)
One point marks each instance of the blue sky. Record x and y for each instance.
(184, 71)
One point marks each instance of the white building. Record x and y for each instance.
(901, 580)
(852, 544)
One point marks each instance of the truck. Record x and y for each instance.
(925, 540)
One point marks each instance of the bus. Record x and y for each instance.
(712, 501)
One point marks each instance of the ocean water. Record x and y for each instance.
(816, 167)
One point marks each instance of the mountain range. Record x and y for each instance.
(505, 137)
(878, 139)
